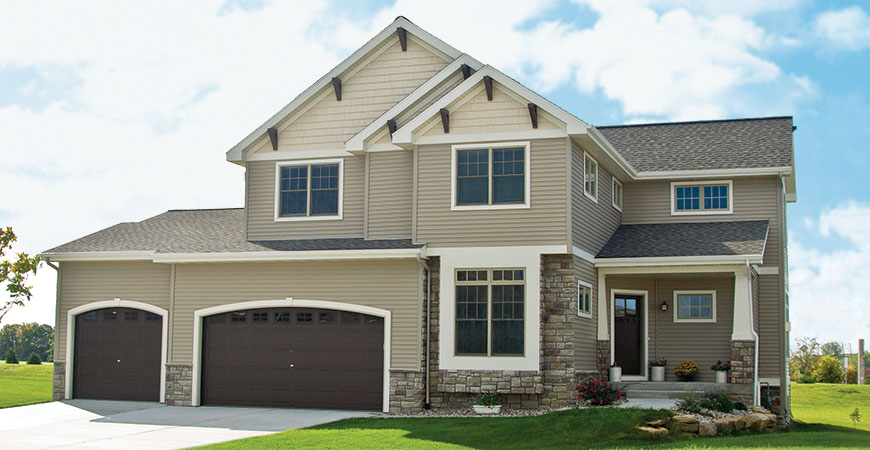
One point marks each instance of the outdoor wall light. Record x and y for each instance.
(664, 306)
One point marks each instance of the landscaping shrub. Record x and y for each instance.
(852, 376)
(690, 404)
(740, 406)
(806, 378)
(598, 393)
(718, 401)
(34, 359)
(828, 370)
(10, 357)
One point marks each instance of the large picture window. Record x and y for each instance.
(308, 190)
(490, 306)
(694, 306)
(491, 176)
(701, 198)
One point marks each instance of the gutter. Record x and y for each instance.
(426, 404)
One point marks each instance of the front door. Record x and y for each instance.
(627, 331)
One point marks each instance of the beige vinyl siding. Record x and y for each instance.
(544, 223)
(88, 282)
(770, 334)
(390, 199)
(753, 198)
(391, 285)
(430, 98)
(592, 223)
(365, 95)
(261, 223)
(704, 343)
(585, 328)
(479, 115)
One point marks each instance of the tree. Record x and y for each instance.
(803, 359)
(834, 349)
(14, 273)
(828, 370)
(28, 338)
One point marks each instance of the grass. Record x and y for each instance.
(24, 384)
(831, 403)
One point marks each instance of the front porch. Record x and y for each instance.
(675, 390)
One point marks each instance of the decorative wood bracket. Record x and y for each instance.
(487, 83)
(273, 136)
(336, 84)
(466, 71)
(533, 114)
(445, 119)
(403, 38)
(391, 125)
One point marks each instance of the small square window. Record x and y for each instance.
(282, 317)
(131, 315)
(260, 317)
(152, 316)
(239, 316)
(89, 316)
(326, 317)
(304, 317)
(349, 317)
(110, 315)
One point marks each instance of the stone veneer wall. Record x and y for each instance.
(179, 383)
(58, 383)
(742, 367)
(604, 359)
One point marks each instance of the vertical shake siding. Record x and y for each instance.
(704, 343)
(365, 95)
(585, 333)
(592, 223)
(391, 285)
(261, 205)
(754, 198)
(544, 223)
(87, 282)
(390, 194)
(770, 345)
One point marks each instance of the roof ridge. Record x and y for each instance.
(690, 122)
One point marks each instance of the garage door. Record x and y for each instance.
(117, 355)
(293, 357)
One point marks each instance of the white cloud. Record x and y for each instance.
(846, 29)
(827, 283)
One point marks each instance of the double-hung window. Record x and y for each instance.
(490, 312)
(617, 194)
(584, 299)
(701, 198)
(694, 306)
(491, 176)
(308, 190)
(590, 177)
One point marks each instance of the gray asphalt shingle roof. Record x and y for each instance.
(718, 144)
(206, 231)
(687, 239)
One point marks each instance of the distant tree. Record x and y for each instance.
(14, 273)
(10, 357)
(828, 370)
(803, 359)
(33, 359)
(834, 349)
(28, 338)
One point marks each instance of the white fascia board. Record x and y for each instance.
(309, 255)
(677, 261)
(357, 142)
(405, 135)
(713, 173)
(236, 153)
(98, 256)
(595, 136)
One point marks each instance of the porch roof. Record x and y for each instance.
(696, 239)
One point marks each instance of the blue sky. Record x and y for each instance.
(114, 112)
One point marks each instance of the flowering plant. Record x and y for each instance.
(687, 370)
(484, 399)
(661, 362)
(721, 366)
(598, 393)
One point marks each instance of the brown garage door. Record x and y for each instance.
(117, 355)
(293, 357)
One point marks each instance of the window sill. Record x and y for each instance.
(306, 218)
(584, 315)
(590, 197)
(700, 213)
(489, 207)
(694, 320)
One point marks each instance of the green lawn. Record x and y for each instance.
(831, 403)
(24, 384)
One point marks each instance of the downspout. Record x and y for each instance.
(754, 335)
(426, 404)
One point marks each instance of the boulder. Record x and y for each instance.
(756, 422)
(660, 422)
(730, 423)
(653, 431)
(687, 423)
(706, 428)
(759, 409)
(771, 420)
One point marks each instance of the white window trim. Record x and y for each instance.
(489, 283)
(594, 198)
(527, 203)
(580, 312)
(677, 295)
(644, 346)
(280, 164)
(701, 212)
(613, 184)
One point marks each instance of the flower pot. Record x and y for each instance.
(483, 409)
(687, 377)
(722, 376)
(658, 373)
(615, 374)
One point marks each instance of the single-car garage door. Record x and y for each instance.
(117, 355)
(293, 357)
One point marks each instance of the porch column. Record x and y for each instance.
(743, 338)
(742, 328)
(603, 334)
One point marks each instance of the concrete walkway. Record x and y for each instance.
(103, 424)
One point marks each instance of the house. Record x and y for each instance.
(419, 227)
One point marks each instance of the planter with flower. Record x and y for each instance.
(487, 403)
(615, 373)
(721, 370)
(598, 393)
(687, 370)
(658, 369)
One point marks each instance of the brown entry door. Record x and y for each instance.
(293, 357)
(627, 329)
(117, 355)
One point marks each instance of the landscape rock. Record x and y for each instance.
(706, 428)
(732, 423)
(759, 409)
(771, 420)
(653, 431)
(660, 422)
(756, 422)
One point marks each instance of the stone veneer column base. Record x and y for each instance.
(407, 391)
(742, 362)
(58, 384)
(179, 383)
(604, 359)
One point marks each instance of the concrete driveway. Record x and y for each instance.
(103, 424)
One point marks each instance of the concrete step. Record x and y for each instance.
(644, 394)
(671, 386)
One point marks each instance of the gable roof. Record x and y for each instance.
(658, 240)
(235, 154)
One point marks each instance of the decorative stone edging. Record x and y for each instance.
(757, 420)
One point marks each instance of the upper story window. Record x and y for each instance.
(694, 306)
(490, 176)
(584, 299)
(714, 197)
(590, 177)
(308, 190)
(490, 311)
(616, 192)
